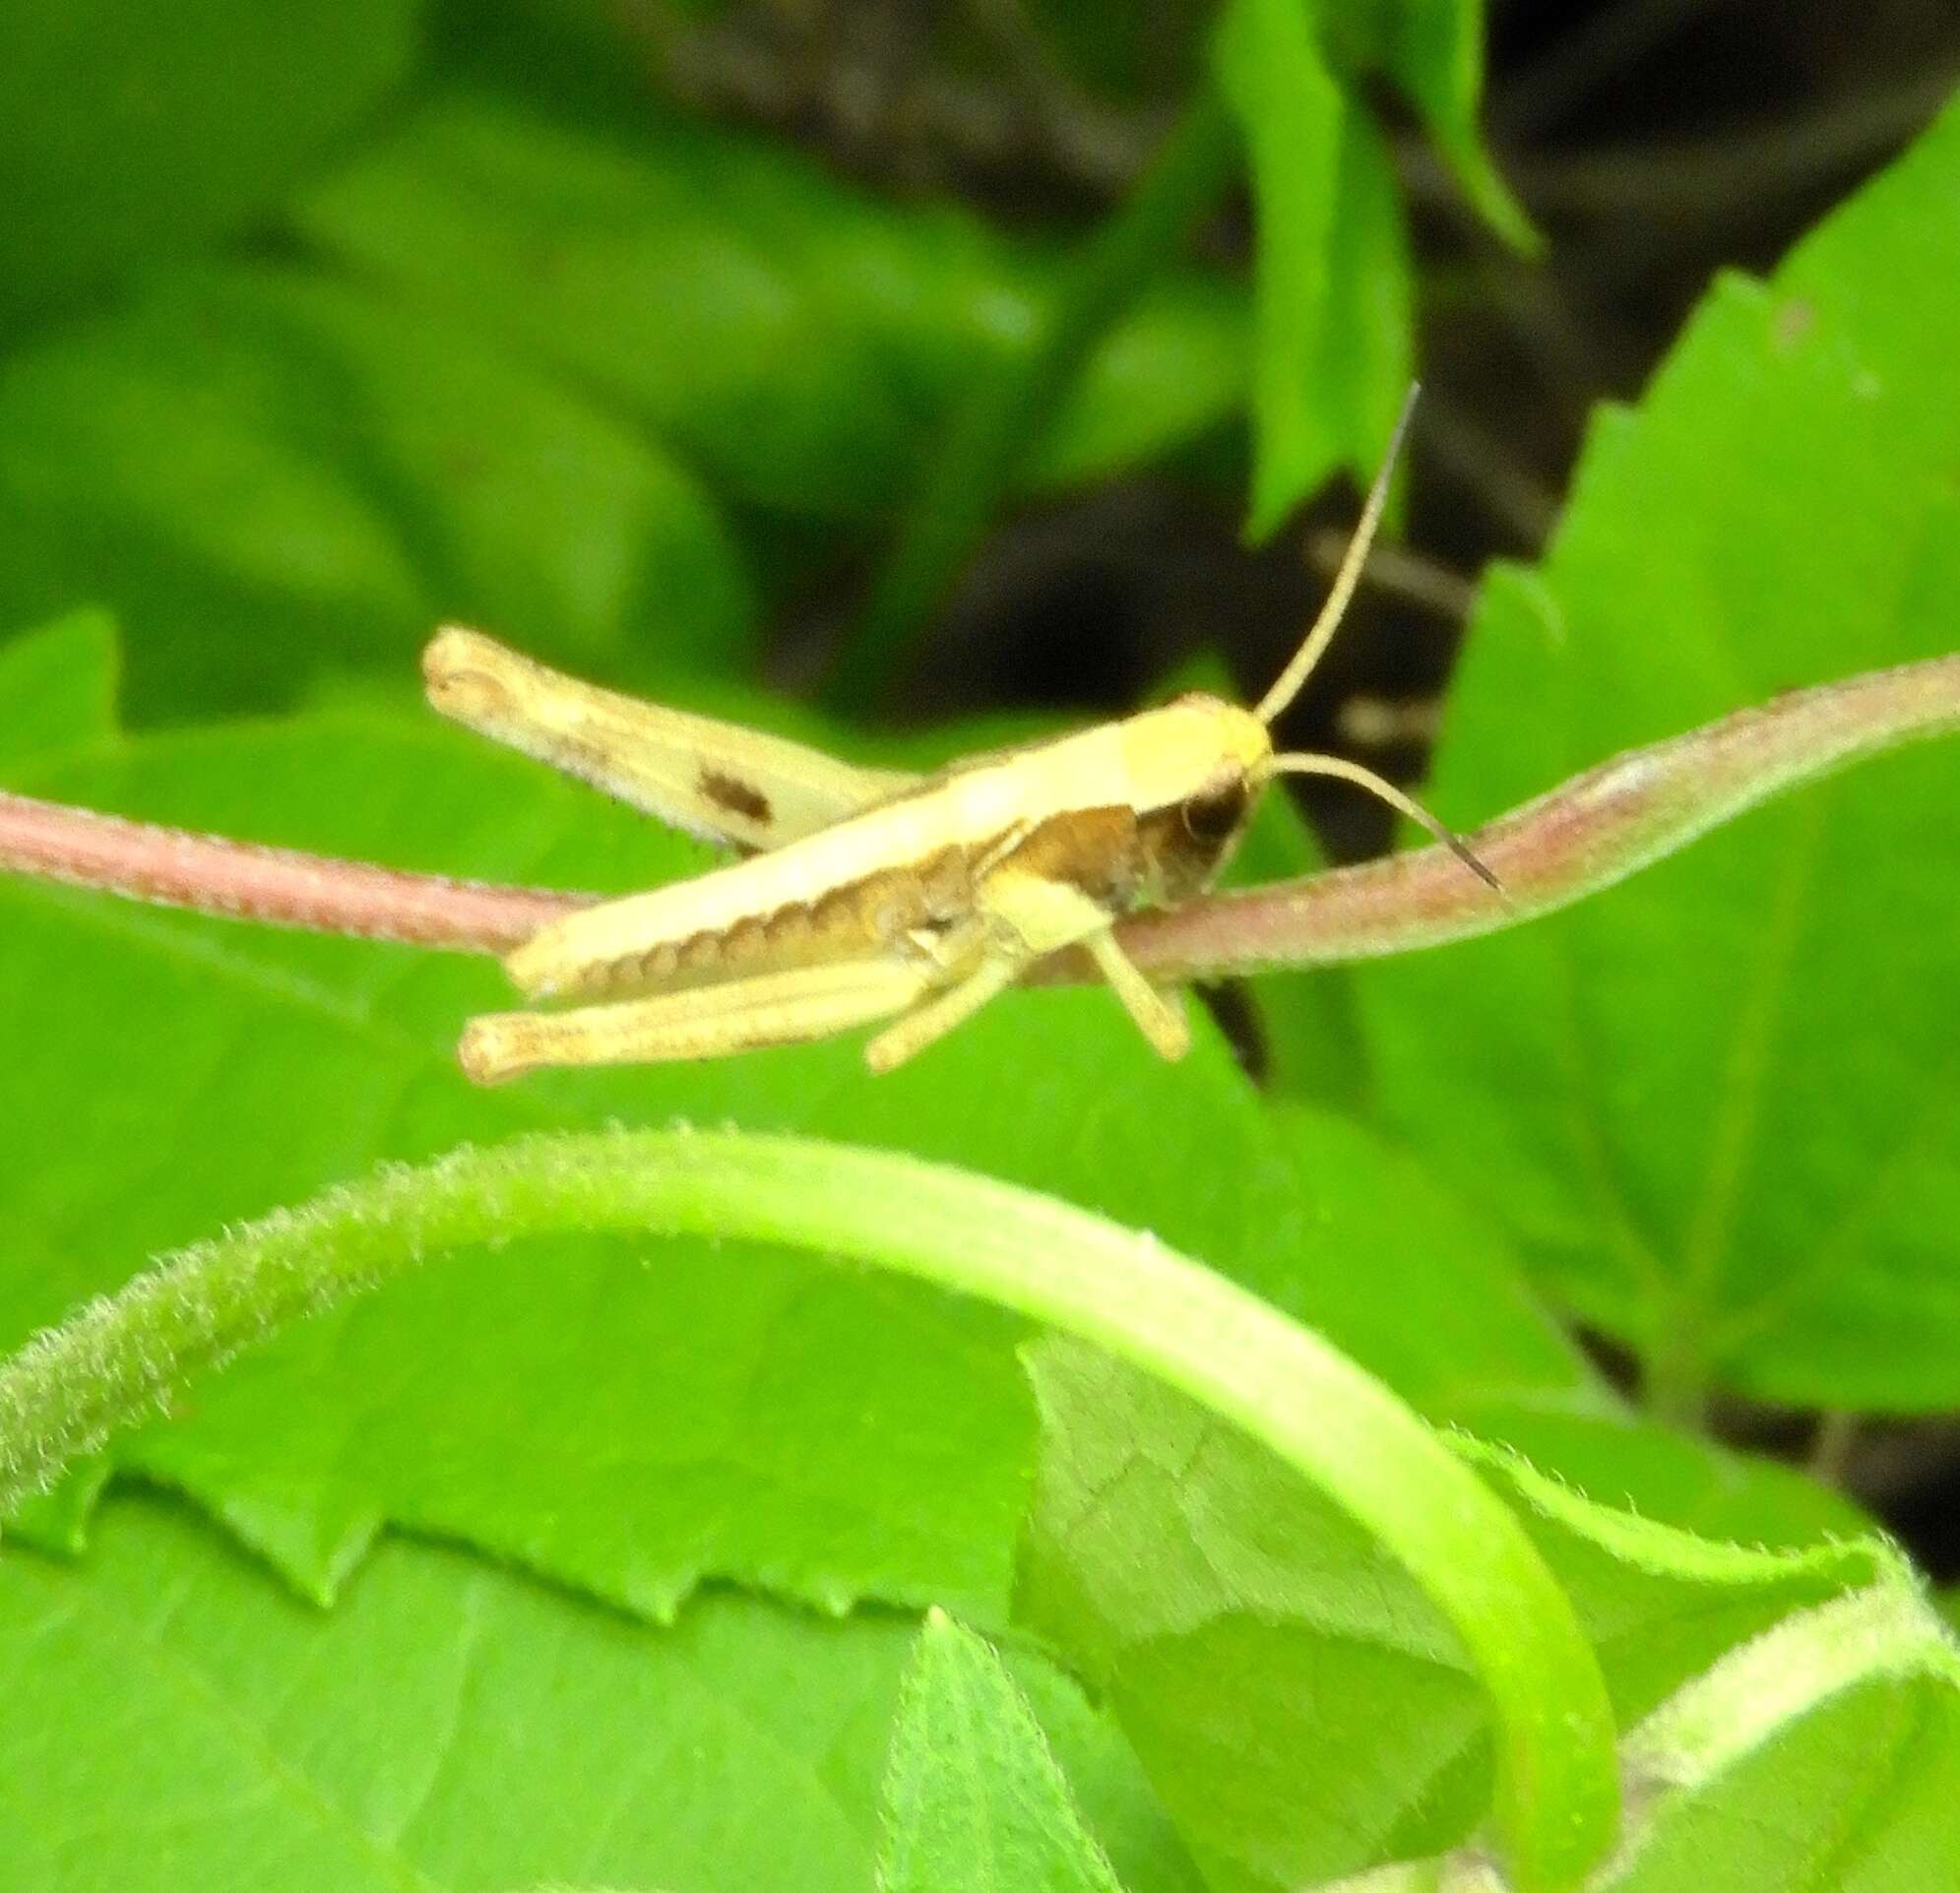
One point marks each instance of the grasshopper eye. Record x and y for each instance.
(1215, 812)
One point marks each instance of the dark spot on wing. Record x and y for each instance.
(736, 795)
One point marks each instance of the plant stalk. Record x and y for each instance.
(984, 451)
(1590, 834)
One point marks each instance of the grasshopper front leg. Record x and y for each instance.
(1041, 914)
(1160, 1018)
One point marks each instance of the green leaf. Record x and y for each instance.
(131, 134)
(797, 339)
(1365, 344)
(1109, 1788)
(1728, 1131)
(1435, 50)
(1376, 1236)
(735, 1438)
(264, 473)
(1333, 277)
(762, 1418)
(1431, 50)
(1554, 1794)
(1292, 114)
(1234, 1621)
(1311, 1031)
(1171, 369)
(451, 1725)
(1661, 1603)
(1675, 1477)
(1280, 1683)
(57, 687)
(973, 1798)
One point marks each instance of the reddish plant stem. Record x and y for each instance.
(279, 886)
(1592, 832)
(1587, 834)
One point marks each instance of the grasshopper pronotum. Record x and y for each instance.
(871, 894)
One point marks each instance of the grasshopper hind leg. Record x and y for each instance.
(707, 1022)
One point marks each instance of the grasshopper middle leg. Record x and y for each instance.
(935, 1016)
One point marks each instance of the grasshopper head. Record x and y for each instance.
(1197, 765)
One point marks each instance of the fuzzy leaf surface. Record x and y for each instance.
(974, 1799)
(174, 1717)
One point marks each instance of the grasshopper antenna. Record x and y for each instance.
(1301, 763)
(1309, 654)
(1287, 685)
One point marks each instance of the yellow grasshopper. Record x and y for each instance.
(870, 894)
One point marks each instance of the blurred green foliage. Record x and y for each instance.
(481, 329)
(133, 137)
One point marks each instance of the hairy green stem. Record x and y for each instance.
(1556, 1800)
(1884, 1630)
(987, 445)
